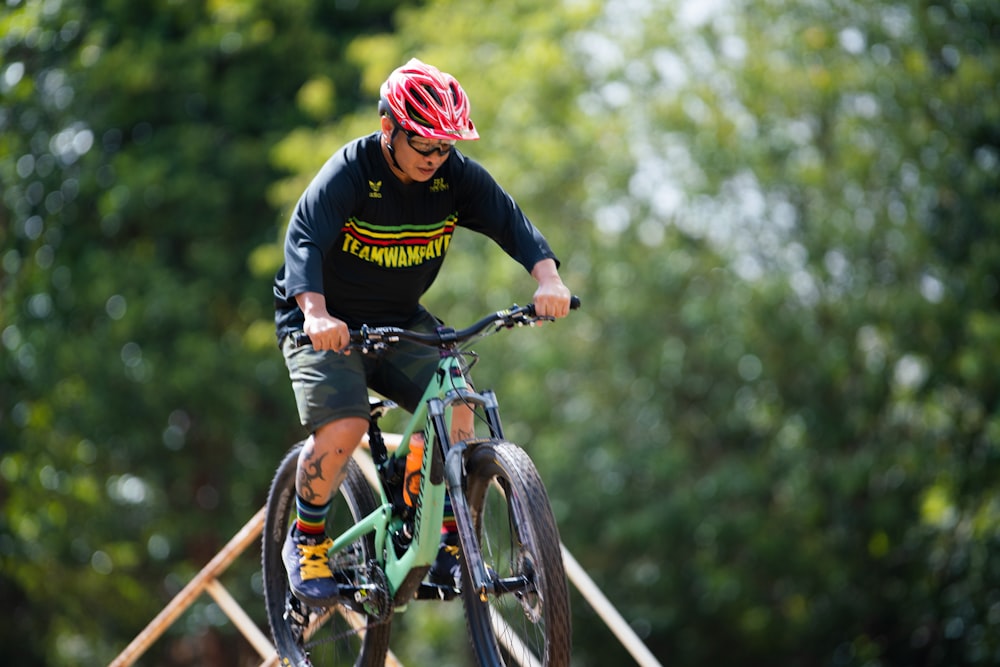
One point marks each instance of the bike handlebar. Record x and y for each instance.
(368, 337)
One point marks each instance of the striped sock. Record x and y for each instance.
(448, 524)
(310, 519)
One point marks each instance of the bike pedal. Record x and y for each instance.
(429, 591)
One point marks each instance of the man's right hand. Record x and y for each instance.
(325, 331)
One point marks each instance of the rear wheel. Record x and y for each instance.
(519, 541)
(327, 636)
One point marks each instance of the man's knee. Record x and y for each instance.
(340, 437)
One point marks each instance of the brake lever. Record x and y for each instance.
(520, 318)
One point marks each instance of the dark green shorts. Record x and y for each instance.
(330, 386)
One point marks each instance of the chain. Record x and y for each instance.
(298, 614)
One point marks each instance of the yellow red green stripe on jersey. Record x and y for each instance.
(401, 234)
(398, 246)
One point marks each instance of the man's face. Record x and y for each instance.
(418, 158)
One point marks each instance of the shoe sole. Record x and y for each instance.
(328, 601)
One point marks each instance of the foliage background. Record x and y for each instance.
(772, 435)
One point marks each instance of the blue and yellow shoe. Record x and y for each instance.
(309, 576)
(446, 570)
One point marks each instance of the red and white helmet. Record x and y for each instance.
(426, 101)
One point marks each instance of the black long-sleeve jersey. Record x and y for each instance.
(372, 245)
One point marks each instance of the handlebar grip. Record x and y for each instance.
(574, 303)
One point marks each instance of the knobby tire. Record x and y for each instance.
(330, 639)
(518, 536)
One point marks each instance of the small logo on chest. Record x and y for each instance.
(376, 189)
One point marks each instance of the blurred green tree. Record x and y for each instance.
(827, 490)
(771, 433)
(143, 402)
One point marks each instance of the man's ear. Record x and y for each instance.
(386, 128)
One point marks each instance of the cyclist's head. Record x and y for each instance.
(423, 100)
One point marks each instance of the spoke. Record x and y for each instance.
(355, 620)
(511, 642)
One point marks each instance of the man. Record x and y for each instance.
(366, 240)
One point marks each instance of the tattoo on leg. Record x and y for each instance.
(310, 471)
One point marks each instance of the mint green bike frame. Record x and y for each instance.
(405, 572)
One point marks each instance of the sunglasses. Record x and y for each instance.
(428, 147)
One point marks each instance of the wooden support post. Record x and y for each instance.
(622, 630)
(240, 619)
(248, 534)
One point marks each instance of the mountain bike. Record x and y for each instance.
(513, 585)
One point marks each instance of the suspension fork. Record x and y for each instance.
(454, 474)
(492, 410)
(486, 400)
(454, 469)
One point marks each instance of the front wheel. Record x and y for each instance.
(330, 636)
(520, 546)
